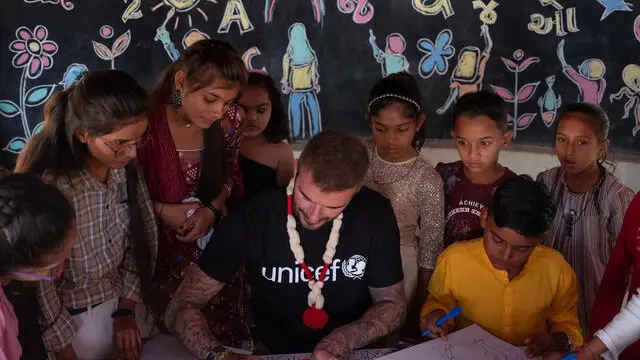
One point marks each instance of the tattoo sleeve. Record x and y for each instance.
(184, 317)
(385, 316)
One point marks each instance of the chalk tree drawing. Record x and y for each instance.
(392, 59)
(433, 7)
(636, 28)
(436, 58)
(362, 10)
(300, 79)
(543, 25)
(611, 6)
(235, 13)
(132, 11)
(181, 7)
(549, 103)
(118, 47)
(589, 78)
(488, 13)
(248, 56)
(520, 94)
(631, 90)
(33, 54)
(66, 4)
(469, 72)
(318, 10)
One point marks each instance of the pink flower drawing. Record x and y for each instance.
(33, 50)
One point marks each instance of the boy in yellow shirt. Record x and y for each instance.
(506, 282)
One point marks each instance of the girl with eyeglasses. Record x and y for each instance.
(88, 150)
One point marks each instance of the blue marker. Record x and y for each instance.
(570, 357)
(452, 314)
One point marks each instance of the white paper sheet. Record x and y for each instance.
(471, 343)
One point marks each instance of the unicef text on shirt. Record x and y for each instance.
(353, 268)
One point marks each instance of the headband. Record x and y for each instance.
(393, 96)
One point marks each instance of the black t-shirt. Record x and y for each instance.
(367, 255)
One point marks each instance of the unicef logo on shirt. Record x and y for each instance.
(354, 267)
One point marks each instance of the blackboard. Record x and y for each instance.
(45, 44)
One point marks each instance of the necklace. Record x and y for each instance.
(572, 217)
(314, 317)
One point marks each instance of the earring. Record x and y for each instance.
(177, 100)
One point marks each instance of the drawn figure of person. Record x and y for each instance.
(300, 79)
(469, 72)
(589, 77)
(391, 59)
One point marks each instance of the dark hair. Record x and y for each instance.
(483, 103)
(100, 103)
(278, 127)
(203, 63)
(34, 220)
(399, 88)
(337, 160)
(522, 205)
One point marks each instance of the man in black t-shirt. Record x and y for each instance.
(337, 228)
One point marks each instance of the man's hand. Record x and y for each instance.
(541, 344)
(128, 338)
(196, 226)
(333, 347)
(429, 323)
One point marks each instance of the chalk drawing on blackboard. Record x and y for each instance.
(436, 58)
(66, 4)
(300, 79)
(73, 74)
(549, 103)
(610, 6)
(543, 25)
(132, 11)
(106, 32)
(589, 78)
(469, 72)
(553, 3)
(193, 36)
(392, 59)
(631, 90)
(118, 47)
(636, 28)
(182, 6)
(33, 54)
(520, 94)
(318, 10)
(433, 7)
(235, 13)
(248, 56)
(488, 13)
(362, 10)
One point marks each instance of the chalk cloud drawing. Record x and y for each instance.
(436, 58)
(181, 7)
(469, 72)
(66, 4)
(132, 11)
(318, 10)
(631, 90)
(488, 13)
(73, 73)
(542, 25)
(118, 47)
(435, 7)
(300, 79)
(610, 6)
(248, 56)
(33, 54)
(235, 13)
(636, 28)
(589, 78)
(521, 94)
(362, 10)
(549, 103)
(392, 59)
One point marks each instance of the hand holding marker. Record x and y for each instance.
(450, 315)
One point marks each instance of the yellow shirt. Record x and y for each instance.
(541, 299)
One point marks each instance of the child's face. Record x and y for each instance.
(577, 145)
(257, 107)
(205, 106)
(394, 132)
(115, 150)
(479, 142)
(506, 249)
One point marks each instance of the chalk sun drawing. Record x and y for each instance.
(434, 7)
(182, 6)
(318, 10)
(132, 11)
(521, 94)
(631, 90)
(248, 56)
(235, 13)
(33, 54)
(392, 59)
(610, 6)
(589, 78)
(362, 10)
(66, 4)
(549, 103)
(436, 58)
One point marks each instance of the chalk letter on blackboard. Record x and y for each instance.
(235, 13)
(572, 25)
(438, 6)
(539, 24)
(248, 56)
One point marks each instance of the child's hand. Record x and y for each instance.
(538, 345)
(429, 323)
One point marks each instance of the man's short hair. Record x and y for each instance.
(337, 160)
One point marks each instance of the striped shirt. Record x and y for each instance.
(102, 265)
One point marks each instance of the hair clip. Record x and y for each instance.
(393, 96)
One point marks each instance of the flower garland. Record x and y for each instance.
(314, 317)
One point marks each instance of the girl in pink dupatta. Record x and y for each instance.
(189, 168)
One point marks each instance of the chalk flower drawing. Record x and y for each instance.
(631, 90)
(522, 94)
(437, 55)
(118, 48)
(66, 4)
(34, 54)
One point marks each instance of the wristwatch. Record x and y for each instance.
(218, 353)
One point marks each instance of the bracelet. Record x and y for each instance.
(216, 213)
(218, 353)
(123, 312)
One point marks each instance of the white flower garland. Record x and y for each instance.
(315, 295)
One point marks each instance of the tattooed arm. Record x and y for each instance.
(184, 317)
(385, 316)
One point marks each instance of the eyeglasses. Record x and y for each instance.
(32, 276)
(120, 150)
